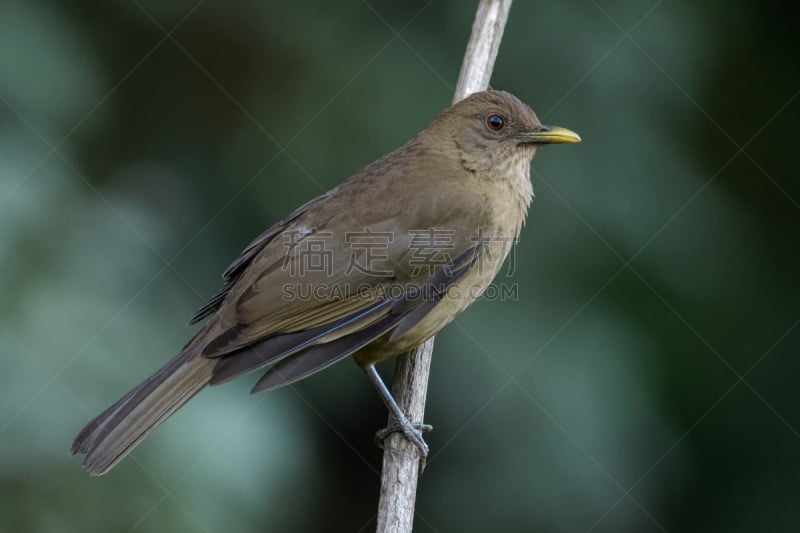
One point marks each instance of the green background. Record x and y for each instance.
(645, 379)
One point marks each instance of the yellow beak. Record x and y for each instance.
(550, 135)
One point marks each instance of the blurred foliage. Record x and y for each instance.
(652, 344)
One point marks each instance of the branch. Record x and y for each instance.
(487, 31)
(401, 462)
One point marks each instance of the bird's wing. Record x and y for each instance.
(300, 281)
(405, 312)
(300, 353)
(310, 290)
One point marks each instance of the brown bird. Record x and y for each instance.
(371, 269)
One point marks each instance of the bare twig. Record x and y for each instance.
(487, 32)
(400, 457)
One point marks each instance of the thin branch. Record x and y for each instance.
(401, 464)
(487, 32)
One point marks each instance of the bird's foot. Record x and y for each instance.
(412, 431)
(398, 421)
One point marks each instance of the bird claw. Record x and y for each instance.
(411, 431)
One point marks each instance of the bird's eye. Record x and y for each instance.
(495, 122)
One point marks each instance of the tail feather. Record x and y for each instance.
(114, 433)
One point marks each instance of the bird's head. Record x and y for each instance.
(494, 130)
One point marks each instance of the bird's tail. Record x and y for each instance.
(115, 432)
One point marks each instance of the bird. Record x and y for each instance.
(368, 270)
